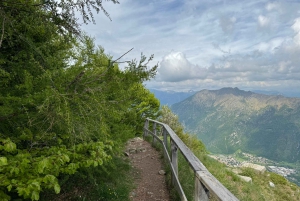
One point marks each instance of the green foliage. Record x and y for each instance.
(112, 181)
(278, 179)
(28, 172)
(248, 172)
(64, 104)
(186, 177)
(145, 105)
(169, 118)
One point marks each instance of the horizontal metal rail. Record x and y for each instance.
(205, 182)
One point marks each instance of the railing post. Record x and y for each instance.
(165, 141)
(200, 193)
(154, 132)
(174, 159)
(146, 127)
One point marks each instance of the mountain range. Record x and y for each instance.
(231, 119)
(170, 97)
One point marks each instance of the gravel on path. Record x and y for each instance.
(149, 172)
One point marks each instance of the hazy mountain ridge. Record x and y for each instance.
(233, 98)
(230, 119)
(171, 97)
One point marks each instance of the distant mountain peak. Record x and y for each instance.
(236, 98)
(229, 90)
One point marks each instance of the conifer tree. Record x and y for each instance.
(64, 105)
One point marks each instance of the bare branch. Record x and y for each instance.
(120, 62)
(115, 61)
(2, 31)
(77, 78)
(2, 118)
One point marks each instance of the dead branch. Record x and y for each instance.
(2, 35)
(77, 78)
(115, 61)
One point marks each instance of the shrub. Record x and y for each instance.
(248, 172)
(278, 179)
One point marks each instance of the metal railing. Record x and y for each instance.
(205, 182)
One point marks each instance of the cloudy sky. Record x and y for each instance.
(207, 44)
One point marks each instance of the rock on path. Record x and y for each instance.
(150, 183)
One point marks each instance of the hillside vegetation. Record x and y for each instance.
(230, 119)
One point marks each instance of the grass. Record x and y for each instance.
(186, 176)
(112, 182)
(259, 189)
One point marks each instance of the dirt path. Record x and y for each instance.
(150, 178)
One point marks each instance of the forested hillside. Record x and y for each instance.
(65, 105)
(230, 119)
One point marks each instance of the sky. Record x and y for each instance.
(207, 44)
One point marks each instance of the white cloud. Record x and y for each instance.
(175, 67)
(296, 28)
(272, 6)
(271, 45)
(250, 44)
(257, 70)
(284, 67)
(263, 21)
(296, 25)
